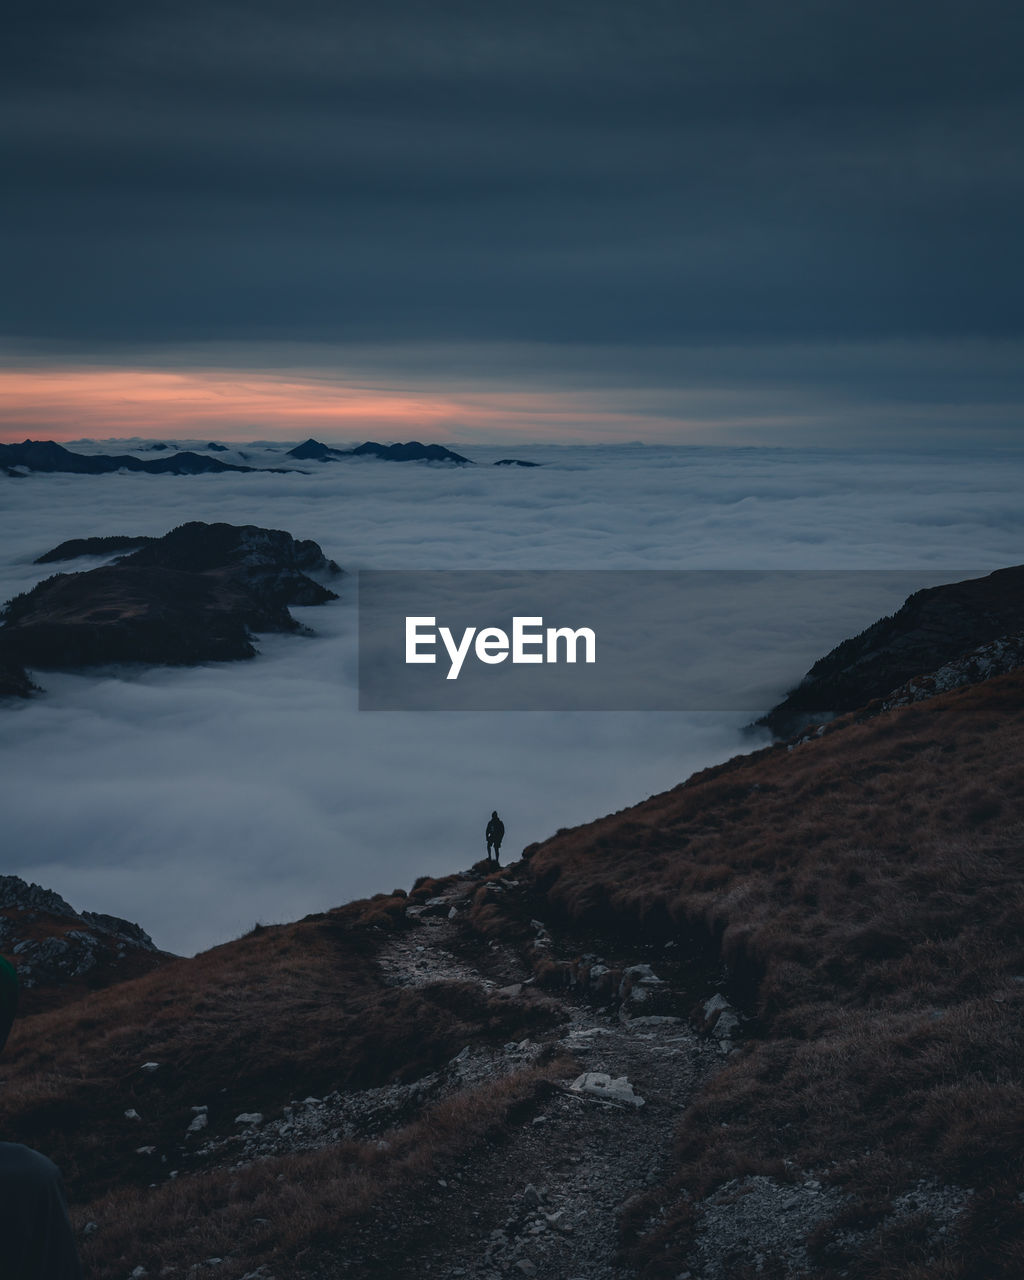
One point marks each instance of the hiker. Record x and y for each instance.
(495, 835)
(36, 1239)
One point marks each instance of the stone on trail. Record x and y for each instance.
(598, 1084)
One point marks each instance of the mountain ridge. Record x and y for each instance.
(198, 594)
(48, 456)
(411, 451)
(932, 628)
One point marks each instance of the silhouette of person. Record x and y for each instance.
(36, 1239)
(495, 834)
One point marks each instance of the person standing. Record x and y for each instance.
(495, 834)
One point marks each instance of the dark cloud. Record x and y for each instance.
(652, 174)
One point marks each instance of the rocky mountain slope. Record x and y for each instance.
(934, 628)
(195, 595)
(62, 953)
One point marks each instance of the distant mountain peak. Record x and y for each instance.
(314, 451)
(412, 451)
(48, 456)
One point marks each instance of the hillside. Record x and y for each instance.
(807, 963)
(934, 629)
(767, 1023)
(865, 890)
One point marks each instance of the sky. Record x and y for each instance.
(198, 801)
(547, 220)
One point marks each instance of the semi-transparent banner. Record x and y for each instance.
(610, 640)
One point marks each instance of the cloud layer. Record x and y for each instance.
(198, 801)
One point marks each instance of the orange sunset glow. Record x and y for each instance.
(69, 403)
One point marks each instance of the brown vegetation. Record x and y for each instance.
(866, 889)
(293, 1210)
(283, 1012)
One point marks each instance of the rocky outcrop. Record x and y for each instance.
(47, 455)
(934, 627)
(59, 952)
(269, 562)
(196, 595)
(988, 660)
(19, 894)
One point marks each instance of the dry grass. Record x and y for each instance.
(283, 1012)
(866, 889)
(299, 1209)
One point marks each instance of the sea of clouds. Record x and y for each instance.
(200, 801)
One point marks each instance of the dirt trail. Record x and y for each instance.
(544, 1199)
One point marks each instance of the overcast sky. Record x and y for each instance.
(718, 221)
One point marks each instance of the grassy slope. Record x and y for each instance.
(866, 887)
(284, 1012)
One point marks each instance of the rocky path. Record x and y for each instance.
(545, 1200)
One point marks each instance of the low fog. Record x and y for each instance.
(198, 802)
